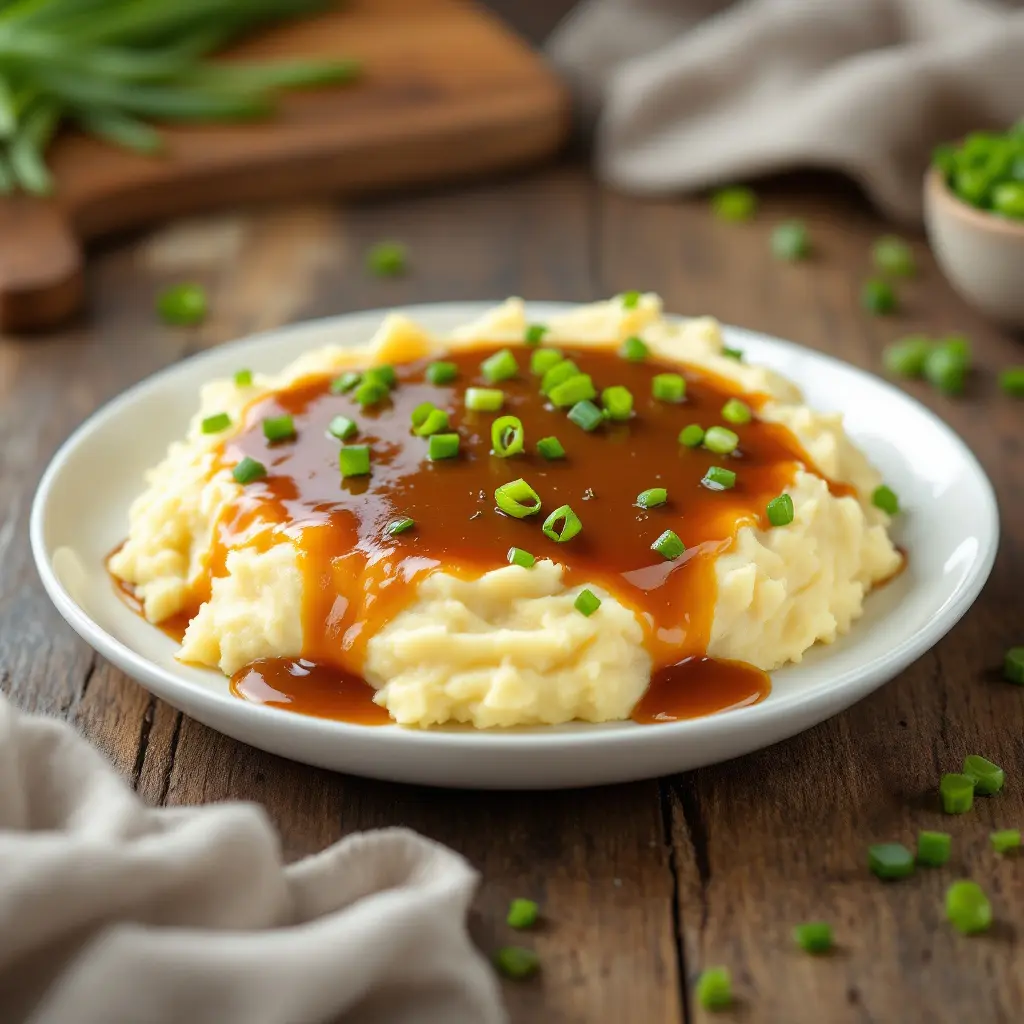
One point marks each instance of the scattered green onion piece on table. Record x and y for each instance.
(551, 448)
(652, 497)
(736, 412)
(988, 778)
(780, 510)
(956, 792)
(1005, 840)
(934, 848)
(906, 357)
(435, 422)
(516, 963)
(354, 460)
(557, 374)
(885, 498)
(279, 428)
(442, 446)
(1012, 381)
(501, 366)
(587, 602)
(507, 436)
(668, 387)
(517, 499)
(890, 861)
(586, 415)
(790, 241)
(563, 524)
(692, 436)
(576, 389)
(732, 353)
(542, 359)
(183, 305)
(877, 296)
(721, 440)
(517, 556)
(343, 428)
(442, 373)
(617, 402)
(522, 913)
(714, 989)
(216, 423)
(734, 204)
(534, 334)
(248, 470)
(397, 526)
(968, 908)
(669, 546)
(630, 300)
(891, 255)
(243, 378)
(369, 392)
(813, 937)
(1013, 666)
(946, 369)
(387, 259)
(484, 399)
(1008, 199)
(634, 349)
(718, 478)
(345, 383)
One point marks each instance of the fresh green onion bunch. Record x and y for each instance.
(112, 66)
(986, 170)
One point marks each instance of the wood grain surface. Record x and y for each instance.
(642, 885)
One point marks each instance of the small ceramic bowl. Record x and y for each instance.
(980, 253)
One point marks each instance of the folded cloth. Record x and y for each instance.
(112, 912)
(692, 93)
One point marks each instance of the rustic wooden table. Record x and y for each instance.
(642, 885)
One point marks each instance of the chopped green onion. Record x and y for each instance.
(1012, 381)
(877, 296)
(946, 367)
(354, 460)
(587, 602)
(551, 448)
(617, 402)
(692, 436)
(484, 399)
(1013, 666)
(957, 793)
(563, 524)
(721, 440)
(442, 373)
(893, 256)
(576, 389)
(516, 963)
(183, 305)
(557, 374)
(442, 446)
(906, 357)
(369, 392)
(501, 366)
(248, 470)
(398, 526)
(668, 387)
(813, 937)
(387, 259)
(734, 204)
(719, 479)
(517, 499)
(934, 848)
(736, 412)
(968, 908)
(1008, 199)
(507, 436)
(890, 860)
(652, 497)
(790, 241)
(1005, 840)
(343, 428)
(988, 778)
(542, 359)
(732, 353)
(216, 423)
(243, 378)
(586, 415)
(633, 349)
(534, 334)
(669, 546)
(279, 428)
(714, 989)
(780, 510)
(346, 382)
(630, 300)
(517, 556)
(885, 498)
(522, 913)
(383, 374)
(435, 423)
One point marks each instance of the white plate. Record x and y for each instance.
(950, 527)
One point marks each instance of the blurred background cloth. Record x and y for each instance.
(686, 94)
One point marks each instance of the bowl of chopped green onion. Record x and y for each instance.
(974, 211)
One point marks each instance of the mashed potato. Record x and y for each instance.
(509, 648)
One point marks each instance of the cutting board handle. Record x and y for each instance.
(41, 265)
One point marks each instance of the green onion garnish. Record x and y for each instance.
(442, 446)
(734, 204)
(383, 374)
(563, 524)
(617, 402)
(551, 448)
(934, 848)
(906, 357)
(1008, 199)
(501, 366)
(968, 908)
(1013, 666)
(542, 359)
(442, 373)
(387, 259)
(946, 368)
(633, 349)
(216, 423)
(732, 353)
(988, 778)
(885, 498)
(669, 546)
(279, 428)
(790, 241)
(692, 436)
(652, 497)
(668, 387)
(630, 300)
(1012, 381)
(714, 989)
(183, 305)
(877, 296)
(780, 510)
(557, 374)
(517, 556)
(721, 440)
(576, 389)
(813, 937)
(586, 415)
(507, 436)
(516, 963)
(354, 460)
(484, 399)
(957, 793)
(427, 419)
(346, 382)
(397, 526)
(517, 499)
(890, 861)
(587, 602)
(370, 391)
(522, 913)
(243, 378)
(343, 428)
(736, 412)
(893, 256)
(1005, 840)
(248, 470)
(534, 334)
(719, 479)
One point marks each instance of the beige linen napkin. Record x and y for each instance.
(113, 912)
(693, 93)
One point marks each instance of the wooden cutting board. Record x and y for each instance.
(446, 92)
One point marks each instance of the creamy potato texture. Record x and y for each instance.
(509, 648)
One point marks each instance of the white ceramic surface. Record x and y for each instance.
(950, 527)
